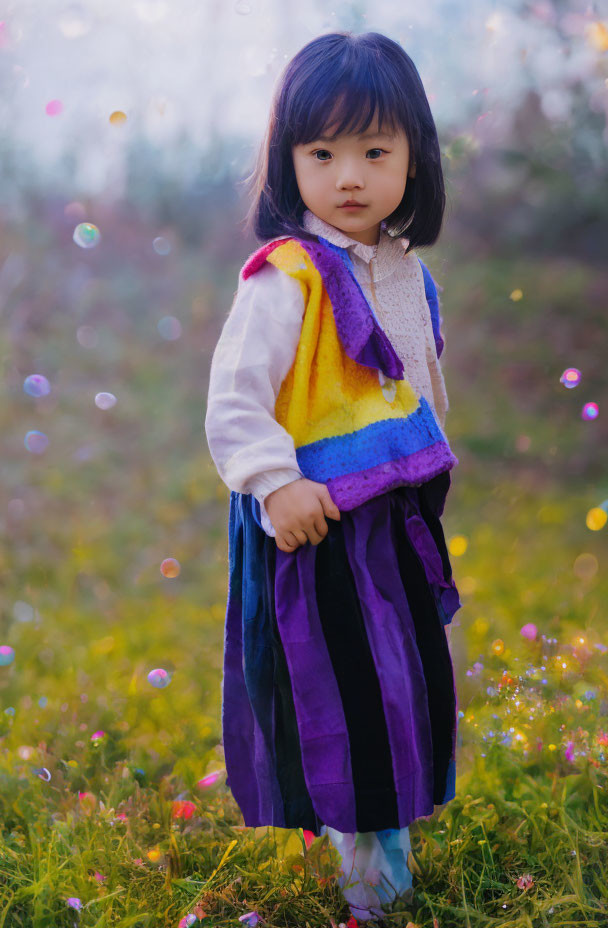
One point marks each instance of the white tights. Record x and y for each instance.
(376, 863)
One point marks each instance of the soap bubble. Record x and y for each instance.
(105, 400)
(571, 377)
(161, 245)
(590, 411)
(170, 567)
(36, 385)
(7, 655)
(42, 772)
(35, 441)
(86, 235)
(159, 678)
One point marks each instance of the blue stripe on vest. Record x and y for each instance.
(359, 450)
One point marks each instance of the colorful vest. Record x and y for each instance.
(357, 424)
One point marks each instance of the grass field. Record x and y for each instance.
(107, 818)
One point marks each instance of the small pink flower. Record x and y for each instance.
(209, 780)
(87, 801)
(525, 881)
(183, 808)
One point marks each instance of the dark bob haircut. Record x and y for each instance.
(346, 78)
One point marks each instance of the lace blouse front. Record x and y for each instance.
(258, 343)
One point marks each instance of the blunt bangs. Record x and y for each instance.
(335, 85)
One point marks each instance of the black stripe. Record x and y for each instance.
(297, 804)
(434, 654)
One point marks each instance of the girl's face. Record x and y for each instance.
(372, 170)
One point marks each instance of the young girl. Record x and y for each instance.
(325, 419)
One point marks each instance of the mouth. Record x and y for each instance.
(352, 206)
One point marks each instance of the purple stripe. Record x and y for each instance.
(352, 490)
(250, 762)
(362, 338)
(392, 637)
(325, 745)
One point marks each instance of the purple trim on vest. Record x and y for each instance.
(362, 338)
(352, 490)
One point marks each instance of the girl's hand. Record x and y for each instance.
(297, 511)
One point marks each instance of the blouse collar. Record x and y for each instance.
(386, 252)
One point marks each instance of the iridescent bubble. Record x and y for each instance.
(42, 772)
(105, 400)
(86, 235)
(170, 328)
(242, 7)
(159, 678)
(189, 920)
(117, 118)
(7, 655)
(590, 411)
(170, 567)
(161, 245)
(54, 108)
(571, 377)
(36, 385)
(35, 441)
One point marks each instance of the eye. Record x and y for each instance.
(326, 152)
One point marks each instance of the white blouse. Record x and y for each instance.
(257, 346)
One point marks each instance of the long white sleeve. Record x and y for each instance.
(252, 452)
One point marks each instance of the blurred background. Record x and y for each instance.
(128, 128)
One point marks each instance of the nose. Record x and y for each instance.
(349, 176)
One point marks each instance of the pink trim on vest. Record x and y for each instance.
(255, 261)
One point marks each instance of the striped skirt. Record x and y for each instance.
(339, 706)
